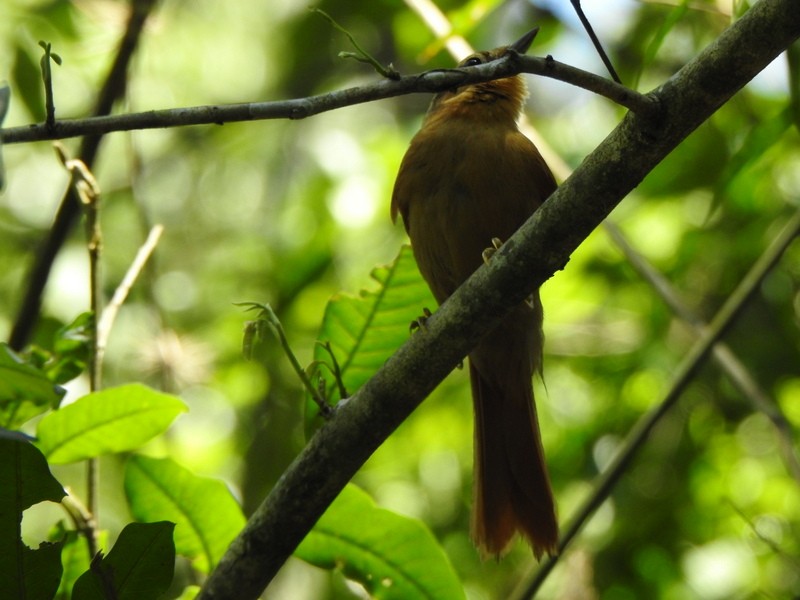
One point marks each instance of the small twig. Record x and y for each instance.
(684, 373)
(87, 190)
(723, 355)
(598, 46)
(770, 543)
(360, 54)
(268, 316)
(335, 369)
(83, 520)
(109, 314)
(5, 99)
(47, 78)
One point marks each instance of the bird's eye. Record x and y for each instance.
(472, 61)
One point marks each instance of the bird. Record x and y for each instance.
(468, 180)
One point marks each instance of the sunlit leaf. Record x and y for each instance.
(206, 515)
(365, 330)
(392, 556)
(113, 420)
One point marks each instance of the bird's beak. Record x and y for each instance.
(523, 43)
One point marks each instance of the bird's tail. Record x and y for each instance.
(511, 488)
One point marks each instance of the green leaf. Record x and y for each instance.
(72, 345)
(25, 391)
(667, 24)
(74, 558)
(390, 555)
(71, 349)
(25, 477)
(206, 515)
(28, 82)
(25, 480)
(759, 139)
(365, 330)
(140, 565)
(189, 592)
(113, 420)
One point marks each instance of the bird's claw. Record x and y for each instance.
(489, 252)
(420, 322)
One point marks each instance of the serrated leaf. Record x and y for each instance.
(140, 565)
(25, 391)
(365, 330)
(392, 556)
(25, 480)
(113, 420)
(206, 515)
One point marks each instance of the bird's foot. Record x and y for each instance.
(489, 252)
(420, 322)
(487, 256)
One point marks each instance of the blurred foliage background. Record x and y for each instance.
(292, 213)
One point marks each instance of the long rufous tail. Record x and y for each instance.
(512, 488)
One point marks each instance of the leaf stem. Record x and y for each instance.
(267, 314)
(47, 78)
(360, 54)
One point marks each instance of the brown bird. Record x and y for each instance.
(470, 176)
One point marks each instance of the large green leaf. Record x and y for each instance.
(113, 420)
(206, 515)
(364, 330)
(140, 565)
(392, 556)
(25, 480)
(25, 391)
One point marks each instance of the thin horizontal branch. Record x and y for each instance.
(301, 108)
(542, 246)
